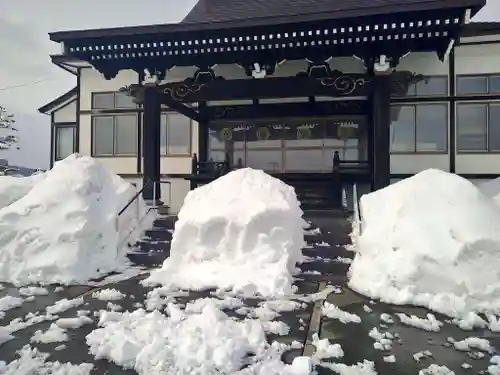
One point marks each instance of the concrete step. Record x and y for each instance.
(157, 234)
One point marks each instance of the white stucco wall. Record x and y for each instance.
(66, 113)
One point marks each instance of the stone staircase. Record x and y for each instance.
(154, 247)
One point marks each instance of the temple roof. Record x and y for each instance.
(208, 11)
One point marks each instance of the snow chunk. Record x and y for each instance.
(242, 232)
(73, 323)
(471, 343)
(430, 240)
(9, 302)
(33, 291)
(436, 370)
(53, 334)
(208, 343)
(326, 350)
(63, 305)
(64, 229)
(364, 368)
(334, 312)
(108, 295)
(431, 324)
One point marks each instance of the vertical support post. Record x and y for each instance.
(151, 144)
(380, 134)
(203, 133)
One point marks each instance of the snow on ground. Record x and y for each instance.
(32, 361)
(61, 227)
(243, 232)
(430, 240)
(205, 343)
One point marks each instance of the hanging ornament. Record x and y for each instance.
(304, 132)
(263, 134)
(226, 134)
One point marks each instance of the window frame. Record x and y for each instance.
(114, 107)
(166, 153)
(488, 77)
(486, 103)
(114, 116)
(415, 151)
(416, 96)
(56, 127)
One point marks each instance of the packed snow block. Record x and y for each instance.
(64, 230)
(431, 240)
(242, 232)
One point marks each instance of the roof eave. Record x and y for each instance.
(67, 97)
(62, 36)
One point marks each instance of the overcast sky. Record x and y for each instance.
(25, 50)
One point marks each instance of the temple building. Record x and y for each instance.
(387, 88)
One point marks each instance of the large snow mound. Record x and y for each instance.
(243, 232)
(14, 188)
(431, 240)
(63, 230)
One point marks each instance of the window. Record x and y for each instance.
(421, 128)
(64, 141)
(478, 84)
(112, 100)
(478, 127)
(175, 134)
(115, 135)
(430, 86)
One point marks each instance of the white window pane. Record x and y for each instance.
(216, 139)
(124, 101)
(304, 160)
(472, 85)
(126, 135)
(103, 101)
(178, 134)
(103, 135)
(471, 127)
(163, 134)
(65, 142)
(432, 127)
(432, 86)
(403, 129)
(267, 160)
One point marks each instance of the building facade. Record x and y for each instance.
(448, 120)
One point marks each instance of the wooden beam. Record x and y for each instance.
(181, 108)
(338, 85)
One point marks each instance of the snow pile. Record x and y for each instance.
(14, 188)
(430, 240)
(208, 343)
(243, 232)
(63, 230)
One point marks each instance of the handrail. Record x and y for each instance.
(151, 208)
(133, 199)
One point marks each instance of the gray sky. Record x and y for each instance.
(25, 50)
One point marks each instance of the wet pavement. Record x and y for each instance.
(327, 264)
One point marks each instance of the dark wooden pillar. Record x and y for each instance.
(380, 133)
(151, 144)
(203, 133)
